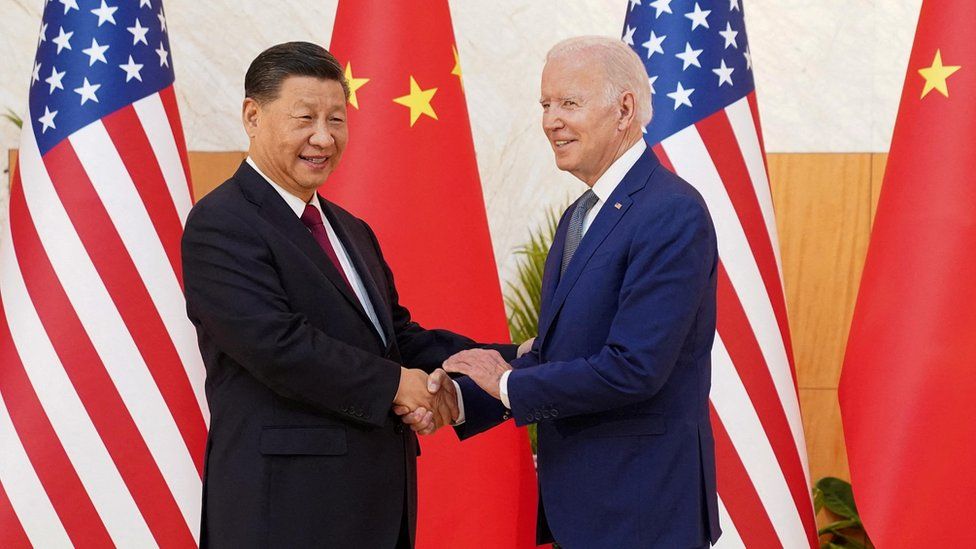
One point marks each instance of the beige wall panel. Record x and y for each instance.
(824, 433)
(823, 213)
(209, 169)
(878, 163)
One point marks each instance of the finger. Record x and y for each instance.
(425, 424)
(436, 379)
(494, 362)
(412, 418)
(401, 410)
(417, 416)
(459, 367)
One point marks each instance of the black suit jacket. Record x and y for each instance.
(303, 450)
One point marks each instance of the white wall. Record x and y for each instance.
(829, 75)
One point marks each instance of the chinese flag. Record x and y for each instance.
(409, 170)
(908, 388)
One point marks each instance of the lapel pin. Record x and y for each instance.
(617, 205)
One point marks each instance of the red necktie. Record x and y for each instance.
(312, 219)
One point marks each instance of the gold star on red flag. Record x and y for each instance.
(354, 84)
(936, 75)
(418, 100)
(456, 71)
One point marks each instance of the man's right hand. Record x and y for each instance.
(443, 411)
(412, 392)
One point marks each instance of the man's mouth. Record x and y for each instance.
(560, 143)
(314, 160)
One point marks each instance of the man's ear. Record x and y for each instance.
(250, 115)
(626, 110)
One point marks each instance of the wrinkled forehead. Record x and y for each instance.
(572, 75)
(312, 93)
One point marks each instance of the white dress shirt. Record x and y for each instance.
(298, 206)
(603, 188)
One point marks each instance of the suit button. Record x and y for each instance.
(507, 414)
(345, 409)
(554, 412)
(538, 416)
(545, 414)
(528, 418)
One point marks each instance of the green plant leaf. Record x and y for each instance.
(818, 502)
(12, 116)
(835, 527)
(838, 497)
(848, 542)
(523, 295)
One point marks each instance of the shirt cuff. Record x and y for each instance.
(503, 389)
(460, 404)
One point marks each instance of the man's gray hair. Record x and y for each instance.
(625, 71)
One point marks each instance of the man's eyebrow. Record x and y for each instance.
(573, 97)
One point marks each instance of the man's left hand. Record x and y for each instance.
(483, 366)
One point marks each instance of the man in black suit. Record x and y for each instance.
(302, 334)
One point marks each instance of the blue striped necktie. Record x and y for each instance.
(575, 232)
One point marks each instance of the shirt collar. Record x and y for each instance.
(296, 204)
(608, 182)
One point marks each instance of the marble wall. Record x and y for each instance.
(828, 73)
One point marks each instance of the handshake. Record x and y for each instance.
(428, 402)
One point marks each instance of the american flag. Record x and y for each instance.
(103, 419)
(706, 129)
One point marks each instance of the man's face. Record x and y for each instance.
(297, 139)
(582, 128)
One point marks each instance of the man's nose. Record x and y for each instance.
(322, 137)
(551, 121)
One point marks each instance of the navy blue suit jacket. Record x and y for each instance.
(618, 378)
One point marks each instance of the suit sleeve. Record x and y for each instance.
(420, 347)
(671, 262)
(234, 295)
(483, 411)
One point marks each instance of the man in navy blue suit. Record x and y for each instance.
(618, 378)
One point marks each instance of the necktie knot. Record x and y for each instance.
(312, 220)
(311, 217)
(587, 200)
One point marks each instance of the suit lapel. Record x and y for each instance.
(550, 274)
(274, 209)
(379, 300)
(608, 217)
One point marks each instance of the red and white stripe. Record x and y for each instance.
(103, 417)
(760, 450)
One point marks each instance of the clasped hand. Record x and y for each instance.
(485, 367)
(425, 403)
